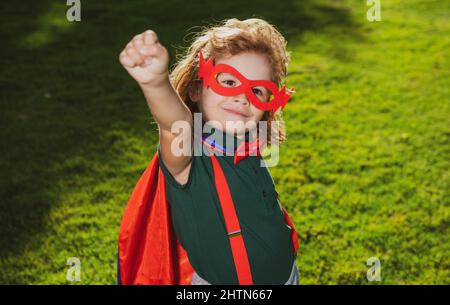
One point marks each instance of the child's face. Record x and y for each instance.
(223, 109)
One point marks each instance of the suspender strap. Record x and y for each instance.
(238, 249)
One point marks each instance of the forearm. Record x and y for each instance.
(165, 104)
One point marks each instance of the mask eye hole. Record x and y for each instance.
(262, 93)
(227, 80)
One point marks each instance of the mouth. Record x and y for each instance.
(236, 113)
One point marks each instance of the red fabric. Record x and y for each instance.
(238, 249)
(149, 251)
(248, 147)
(294, 235)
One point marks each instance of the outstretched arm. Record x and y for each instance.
(147, 60)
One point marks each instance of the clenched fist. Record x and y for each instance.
(145, 59)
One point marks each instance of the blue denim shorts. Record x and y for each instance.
(293, 278)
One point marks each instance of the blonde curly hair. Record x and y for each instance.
(229, 38)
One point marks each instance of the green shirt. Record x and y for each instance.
(199, 223)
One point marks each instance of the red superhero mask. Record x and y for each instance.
(263, 94)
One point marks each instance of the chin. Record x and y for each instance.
(236, 131)
(239, 127)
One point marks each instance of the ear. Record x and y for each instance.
(195, 92)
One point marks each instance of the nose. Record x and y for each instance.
(241, 98)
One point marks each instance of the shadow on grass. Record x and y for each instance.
(64, 94)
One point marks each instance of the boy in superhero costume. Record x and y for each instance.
(149, 250)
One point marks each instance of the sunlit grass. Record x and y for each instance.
(49, 26)
(364, 172)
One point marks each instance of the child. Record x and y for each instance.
(222, 203)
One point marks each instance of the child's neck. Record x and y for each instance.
(240, 136)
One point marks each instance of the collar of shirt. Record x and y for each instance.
(223, 143)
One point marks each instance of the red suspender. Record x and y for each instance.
(294, 236)
(232, 224)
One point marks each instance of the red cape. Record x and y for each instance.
(149, 251)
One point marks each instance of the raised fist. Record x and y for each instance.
(145, 59)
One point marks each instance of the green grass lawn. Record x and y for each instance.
(365, 171)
